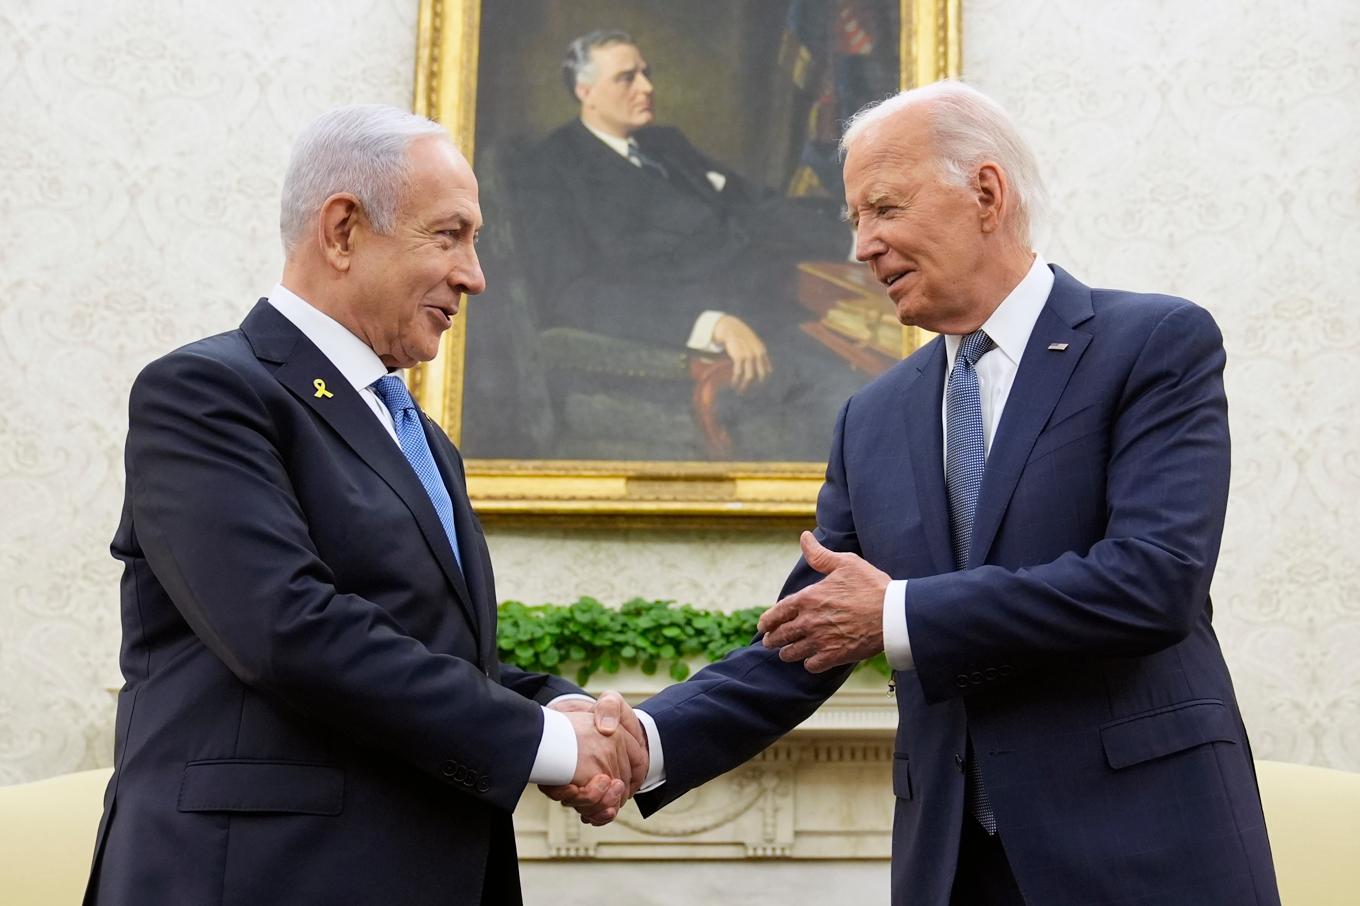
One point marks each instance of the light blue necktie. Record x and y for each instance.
(965, 458)
(411, 437)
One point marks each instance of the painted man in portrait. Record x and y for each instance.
(637, 236)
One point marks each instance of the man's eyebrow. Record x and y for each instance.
(456, 218)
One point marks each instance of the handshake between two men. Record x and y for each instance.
(612, 757)
(830, 623)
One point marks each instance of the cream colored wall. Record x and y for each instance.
(1206, 149)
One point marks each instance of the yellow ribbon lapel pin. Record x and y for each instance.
(321, 390)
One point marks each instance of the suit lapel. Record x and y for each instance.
(351, 418)
(476, 568)
(925, 443)
(1039, 384)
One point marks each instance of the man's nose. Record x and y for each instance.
(643, 84)
(468, 277)
(867, 244)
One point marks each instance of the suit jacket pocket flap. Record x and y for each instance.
(1165, 731)
(901, 778)
(246, 785)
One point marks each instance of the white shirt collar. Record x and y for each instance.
(618, 144)
(1013, 321)
(350, 355)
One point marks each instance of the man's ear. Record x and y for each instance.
(581, 89)
(341, 221)
(993, 193)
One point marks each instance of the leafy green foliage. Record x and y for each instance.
(644, 634)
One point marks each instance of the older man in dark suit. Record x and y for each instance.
(1025, 515)
(314, 711)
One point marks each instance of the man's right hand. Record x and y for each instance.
(750, 359)
(619, 760)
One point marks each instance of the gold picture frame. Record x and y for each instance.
(447, 64)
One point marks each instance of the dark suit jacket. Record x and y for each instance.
(621, 251)
(314, 711)
(1075, 649)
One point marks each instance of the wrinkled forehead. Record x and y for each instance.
(441, 178)
(890, 150)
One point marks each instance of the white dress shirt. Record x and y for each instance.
(555, 762)
(701, 334)
(1009, 327)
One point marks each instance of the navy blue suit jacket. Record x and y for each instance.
(1075, 649)
(313, 709)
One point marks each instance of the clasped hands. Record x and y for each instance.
(837, 620)
(610, 765)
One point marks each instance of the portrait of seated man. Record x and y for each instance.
(665, 285)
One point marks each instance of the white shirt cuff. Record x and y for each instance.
(896, 642)
(701, 335)
(555, 763)
(656, 761)
(568, 696)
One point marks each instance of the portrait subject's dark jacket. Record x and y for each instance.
(1075, 650)
(620, 250)
(313, 709)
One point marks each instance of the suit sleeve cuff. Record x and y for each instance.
(896, 642)
(701, 336)
(555, 763)
(656, 761)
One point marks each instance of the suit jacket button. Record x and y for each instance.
(961, 681)
(483, 785)
(976, 679)
(469, 779)
(449, 769)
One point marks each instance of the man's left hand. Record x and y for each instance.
(838, 620)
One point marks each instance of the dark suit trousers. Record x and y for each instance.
(983, 876)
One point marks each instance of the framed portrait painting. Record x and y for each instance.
(673, 314)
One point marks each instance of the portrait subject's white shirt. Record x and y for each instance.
(1009, 327)
(555, 762)
(701, 334)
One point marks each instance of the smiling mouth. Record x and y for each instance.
(890, 279)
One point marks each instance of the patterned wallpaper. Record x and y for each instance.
(1204, 149)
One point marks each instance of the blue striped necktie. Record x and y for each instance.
(411, 437)
(965, 458)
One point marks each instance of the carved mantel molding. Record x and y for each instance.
(822, 792)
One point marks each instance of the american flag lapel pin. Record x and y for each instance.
(1057, 347)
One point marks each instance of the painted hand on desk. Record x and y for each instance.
(838, 620)
(610, 765)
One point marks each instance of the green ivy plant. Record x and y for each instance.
(545, 638)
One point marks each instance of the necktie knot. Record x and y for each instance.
(393, 393)
(976, 345)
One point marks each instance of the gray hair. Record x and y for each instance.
(577, 66)
(968, 128)
(360, 149)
